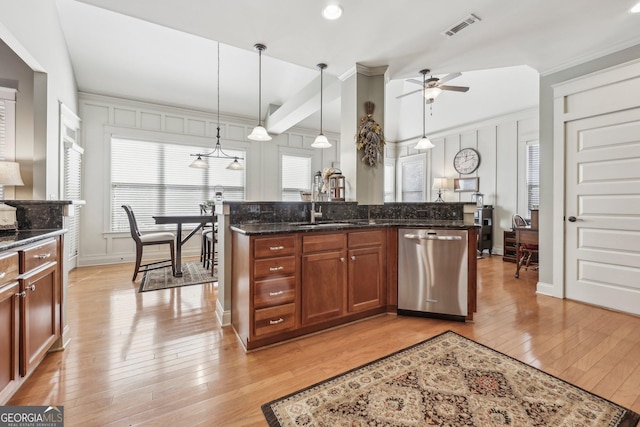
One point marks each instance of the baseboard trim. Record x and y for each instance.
(543, 288)
(224, 317)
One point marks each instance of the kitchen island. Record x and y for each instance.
(289, 279)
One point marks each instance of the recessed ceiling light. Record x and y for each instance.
(635, 9)
(332, 11)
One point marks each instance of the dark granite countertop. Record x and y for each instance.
(10, 239)
(288, 227)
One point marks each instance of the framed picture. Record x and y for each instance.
(466, 184)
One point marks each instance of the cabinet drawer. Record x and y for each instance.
(39, 255)
(272, 292)
(323, 242)
(274, 267)
(8, 268)
(274, 319)
(274, 246)
(366, 238)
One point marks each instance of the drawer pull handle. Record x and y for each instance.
(4, 273)
(341, 259)
(276, 248)
(275, 322)
(42, 256)
(275, 294)
(353, 257)
(31, 288)
(276, 268)
(22, 294)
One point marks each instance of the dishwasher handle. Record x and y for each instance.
(430, 237)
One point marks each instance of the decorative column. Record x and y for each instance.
(361, 88)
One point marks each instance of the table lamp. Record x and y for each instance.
(439, 184)
(9, 175)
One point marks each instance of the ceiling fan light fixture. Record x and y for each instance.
(332, 12)
(259, 133)
(432, 92)
(424, 143)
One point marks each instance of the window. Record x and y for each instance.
(389, 180)
(412, 178)
(296, 176)
(155, 178)
(533, 176)
(7, 126)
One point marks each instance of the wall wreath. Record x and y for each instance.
(370, 138)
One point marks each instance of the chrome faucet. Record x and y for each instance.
(314, 214)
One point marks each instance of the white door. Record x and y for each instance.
(602, 224)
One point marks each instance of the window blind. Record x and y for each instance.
(533, 176)
(3, 136)
(154, 178)
(72, 191)
(296, 176)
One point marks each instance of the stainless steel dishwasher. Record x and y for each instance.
(432, 273)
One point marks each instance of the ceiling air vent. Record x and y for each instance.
(459, 26)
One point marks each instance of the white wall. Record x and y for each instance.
(104, 116)
(500, 143)
(31, 29)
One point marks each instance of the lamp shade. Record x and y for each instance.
(439, 183)
(199, 164)
(10, 173)
(235, 165)
(424, 143)
(321, 141)
(259, 133)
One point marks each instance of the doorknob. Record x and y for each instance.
(572, 219)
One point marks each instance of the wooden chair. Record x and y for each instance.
(142, 240)
(527, 250)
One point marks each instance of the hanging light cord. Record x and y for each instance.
(321, 72)
(424, 101)
(260, 86)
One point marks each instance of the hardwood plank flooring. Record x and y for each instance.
(160, 358)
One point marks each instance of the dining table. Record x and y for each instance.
(179, 221)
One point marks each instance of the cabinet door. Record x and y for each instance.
(365, 278)
(323, 286)
(40, 321)
(8, 339)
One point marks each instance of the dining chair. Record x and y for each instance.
(142, 240)
(527, 250)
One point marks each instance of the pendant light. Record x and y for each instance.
(321, 141)
(259, 133)
(424, 143)
(199, 162)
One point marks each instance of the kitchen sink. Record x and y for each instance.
(325, 224)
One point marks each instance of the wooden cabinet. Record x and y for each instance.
(367, 270)
(30, 310)
(510, 252)
(288, 285)
(9, 325)
(324, 275)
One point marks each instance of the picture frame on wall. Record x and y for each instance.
(466, 184)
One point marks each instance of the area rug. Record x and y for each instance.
(448, 380)
(192, 274)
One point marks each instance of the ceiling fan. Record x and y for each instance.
(433, 86)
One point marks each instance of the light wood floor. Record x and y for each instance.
(160, 358)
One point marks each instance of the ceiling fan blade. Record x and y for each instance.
(455, 88)
(415, 81)
(409, 93)
(449, 77)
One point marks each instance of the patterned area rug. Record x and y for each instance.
(447, 380)
(192, 274)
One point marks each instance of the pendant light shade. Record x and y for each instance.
(199, 162)
(321, 141)
(424, 143)
(259, 133)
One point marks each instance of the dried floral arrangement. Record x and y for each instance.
(370, 138)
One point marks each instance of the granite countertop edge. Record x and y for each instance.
(284, 227)
(13, 240)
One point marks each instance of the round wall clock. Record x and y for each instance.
(466, 161)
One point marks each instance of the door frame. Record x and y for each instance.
(563, 112)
